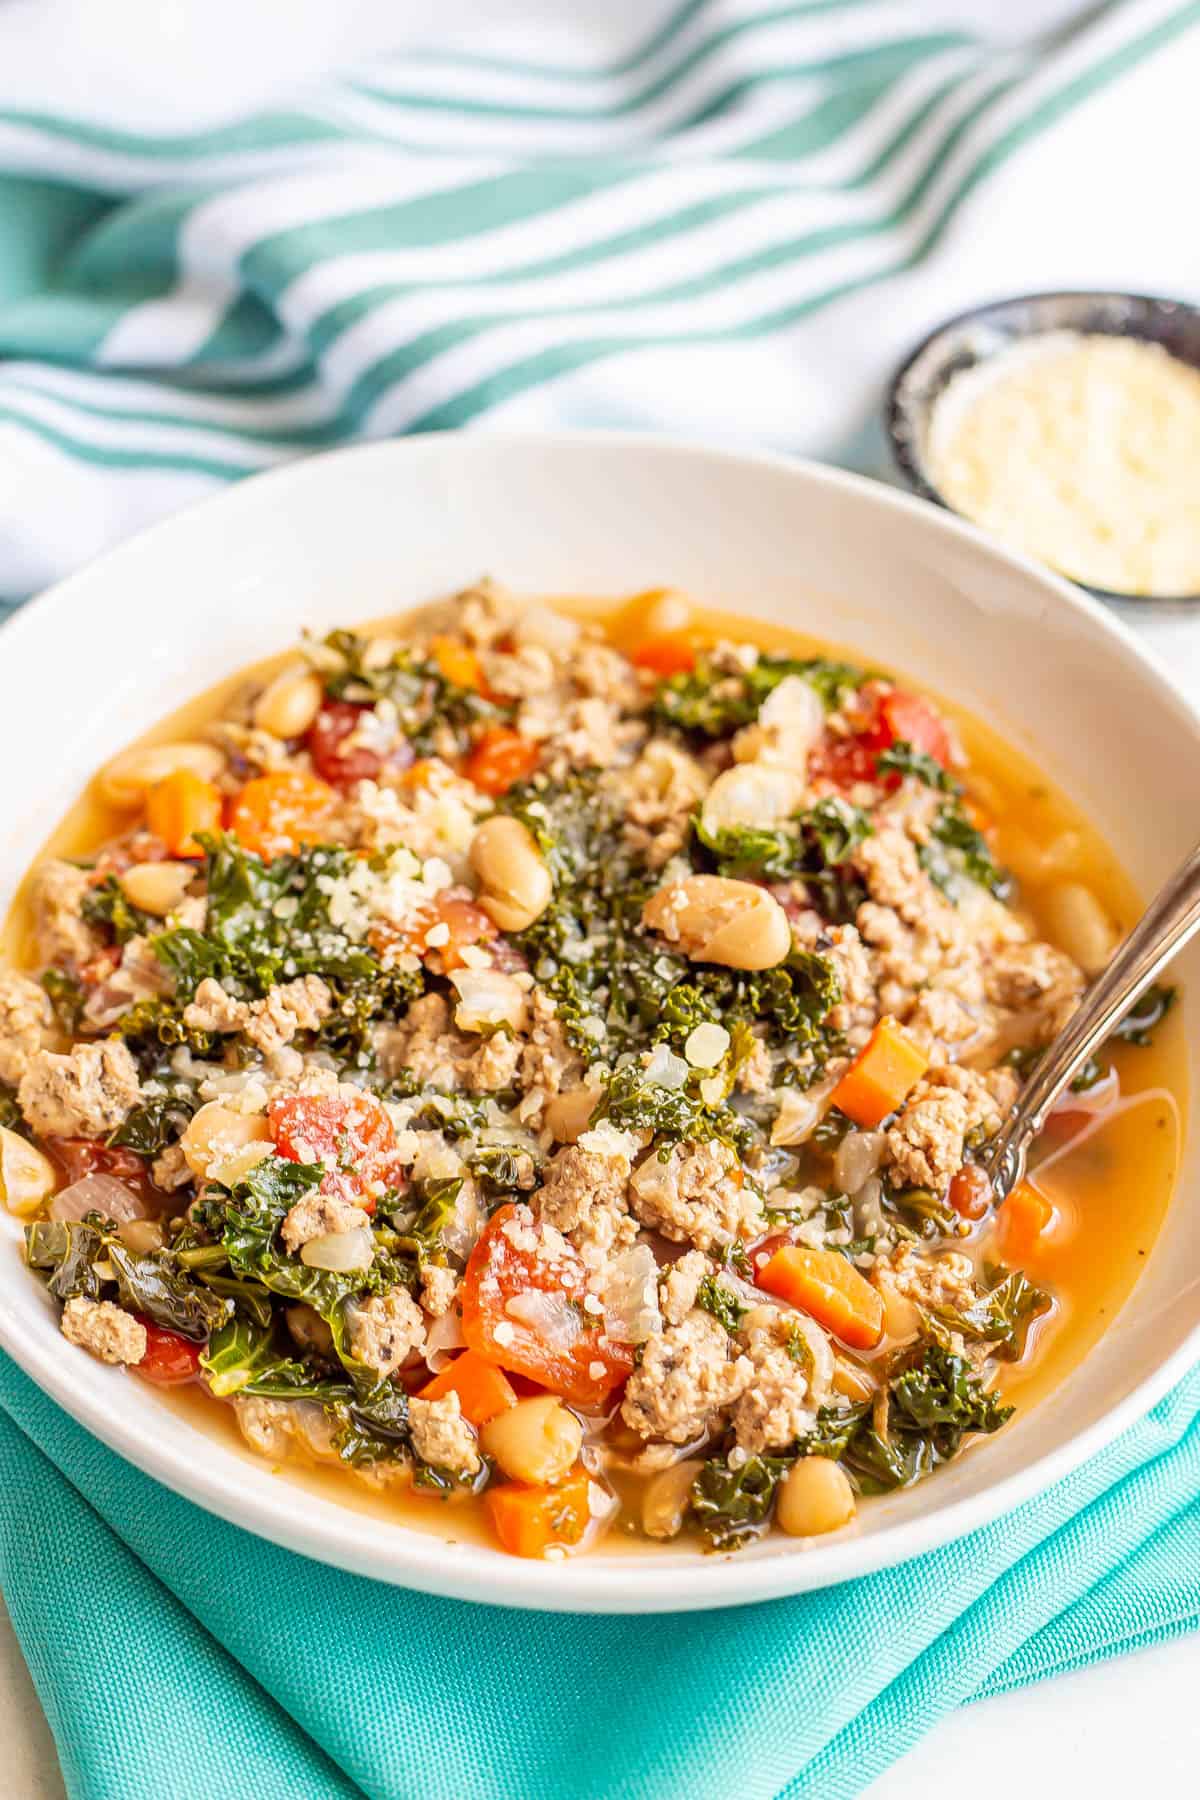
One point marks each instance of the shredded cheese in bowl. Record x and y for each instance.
(1084, 451)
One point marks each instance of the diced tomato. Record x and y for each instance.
(170, 1358)
(341, 763)
(523, 1307)
(353, 1138)
(906, 718)
(77, 1157)
(500, 759)
(882, 717)
(842, 761)
(97, 969)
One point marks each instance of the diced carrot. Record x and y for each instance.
(887, 1069)
(670, 653)
(500, 759)
(823, 1284)
(483, 1390)
(457, 663)
(531, 1520)
(276, 813)
(1025, 1216)
(179, 807)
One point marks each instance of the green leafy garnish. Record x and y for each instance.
(721, 1302)
(903, 758)
(730, 1505)
(714, 702)
(106, 905)
(956, 849)
(66, 997)
(150, 1127)
(1146, 1015)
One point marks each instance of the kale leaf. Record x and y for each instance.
(1002, 1316)
(106, 905)
(714, 702)
(957, 849)
(1146, 1015)
(157, 1122)
(721, 1302)
(730, 1505)
(903, 758)
(66, 997)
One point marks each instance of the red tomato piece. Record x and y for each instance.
(842, 762)
(523, 1307)
(170, 1358)
(971, 1192)
(77, 1157)
(342, 764)
(500, 759)
(353, 1138)
(908, 719)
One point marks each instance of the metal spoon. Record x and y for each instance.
(1171, 919)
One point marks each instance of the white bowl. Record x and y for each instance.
(350, 536)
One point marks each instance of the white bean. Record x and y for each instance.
(536, 1440)
(126, 780)
(288, 705)
(157, 887)
(856, 1159)
(1080, 925)
(515, 886)
(714, 919)
(216, 1133)
(815, 1496)
(665, 1498)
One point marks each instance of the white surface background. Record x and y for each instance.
(1126, 1726)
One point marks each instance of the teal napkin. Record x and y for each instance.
(177, 1655)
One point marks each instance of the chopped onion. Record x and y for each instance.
(800, 1113)
(551, 1317)
(631, 1296)
(459, 1233)
(753, 794)
(665, 1069)
(445, 1340)
(97, 1193)
(857, 1158)
(654, 1178)
(486, 997)
(340, 1250)
(794, 707)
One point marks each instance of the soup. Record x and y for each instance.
(540, 1059)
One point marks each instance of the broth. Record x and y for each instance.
(1110, 1180)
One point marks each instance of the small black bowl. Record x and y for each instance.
(972, 337)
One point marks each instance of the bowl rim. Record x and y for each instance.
(899, 418)
(470, 1572)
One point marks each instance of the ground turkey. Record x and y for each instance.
(441, 1436)
(386, 1329)
(25, 1018)
(63, 935)
(85, 1094)
(584, 1193)
(793, 1369)
(698, 1196)
(926, 1144)
(316, 1216)
(685, 1379)
(109, 1333)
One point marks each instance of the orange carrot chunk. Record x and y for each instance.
(483, 1390)
(670, 653)
(530, 1520)
(457, 663)
(830, 1289)
(500, 759)
(887, 1070)
(1025, 1216)
(179, 807)
(275, 814)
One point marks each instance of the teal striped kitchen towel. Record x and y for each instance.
(731, 229)
(176, 1655)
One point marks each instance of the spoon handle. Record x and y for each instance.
(1172, 917)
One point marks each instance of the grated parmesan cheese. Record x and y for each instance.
(1084, 451)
